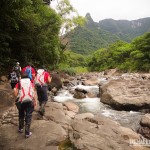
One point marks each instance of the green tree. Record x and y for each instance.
(141, 52)
(133, 56)
(114, 56)
(28, 32)
(70, 19)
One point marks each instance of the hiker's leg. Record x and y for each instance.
(44, 99)
(42, 108)
(39, 96)
(29, 109)
(21, 117)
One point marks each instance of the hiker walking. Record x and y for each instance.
(30, 71)
(25, 94)
(13, 78)
(17, 69)
(42, 80)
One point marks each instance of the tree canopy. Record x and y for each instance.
(134, 56)
(28, 32)
(31, 31)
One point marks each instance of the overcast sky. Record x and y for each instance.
(115, 9)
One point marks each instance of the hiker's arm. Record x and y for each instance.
(49, 79)
(33, 75)
(16, 92)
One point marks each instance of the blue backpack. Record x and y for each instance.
(28, 71)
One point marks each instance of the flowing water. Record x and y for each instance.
(129, 119)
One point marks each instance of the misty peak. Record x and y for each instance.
(88, 17)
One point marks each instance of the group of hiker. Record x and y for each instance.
(29, 85)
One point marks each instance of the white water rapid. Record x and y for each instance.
(126, 118)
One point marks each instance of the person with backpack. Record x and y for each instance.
(13, 78)
(41, 81)
(25, 94)
(30, 71)
(17, 69)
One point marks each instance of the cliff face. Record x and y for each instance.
(132, 28)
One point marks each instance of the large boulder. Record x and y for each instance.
(86, 131)
(46, 134)
(100, 133)
(56, 83)
(48, 131)
(126, 94)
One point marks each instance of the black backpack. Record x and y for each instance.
(17, 70)
(13, 77)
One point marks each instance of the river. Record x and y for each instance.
(129, 119)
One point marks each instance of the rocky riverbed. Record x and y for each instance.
(63, 122)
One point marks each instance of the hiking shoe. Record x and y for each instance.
(41, 113)
(28, 135)
(20, 130)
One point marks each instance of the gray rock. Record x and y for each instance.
(100, 133)
(126, 94)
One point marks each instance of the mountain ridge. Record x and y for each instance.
(95, 35)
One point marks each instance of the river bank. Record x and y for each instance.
(86, 122)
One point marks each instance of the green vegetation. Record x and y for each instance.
(124, 56)
(28, 32)
(73, 63)
(31, 31)
(93, 36)
(69, 20)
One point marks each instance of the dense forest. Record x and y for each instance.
(93, 35)
(31, 31)
(127, 57)
(28, 32)
(134, 56)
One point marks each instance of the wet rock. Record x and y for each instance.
(80, 93)
(145, 126)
